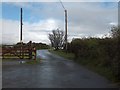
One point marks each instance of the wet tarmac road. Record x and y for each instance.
(52, 72)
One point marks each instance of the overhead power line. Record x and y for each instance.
(62, 5)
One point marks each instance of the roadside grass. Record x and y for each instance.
(37, 61)
(63, 54)
(10, 59)
(96, 67)
(33, 61)
(91, 64)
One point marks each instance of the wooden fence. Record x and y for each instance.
(19, 51)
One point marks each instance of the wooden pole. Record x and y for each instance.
(66, 30)
(21, 50)
(21, 26)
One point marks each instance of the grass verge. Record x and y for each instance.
(91, 64)
(96, 67)
(63, 54)
(25, 61)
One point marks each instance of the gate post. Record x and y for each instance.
(34, 50)
(30, 50)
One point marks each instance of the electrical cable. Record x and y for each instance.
(62, 4)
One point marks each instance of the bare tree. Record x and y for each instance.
(56, 38)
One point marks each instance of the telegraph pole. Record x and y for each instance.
(21, 49)
(66, 30)
(65, 25)
(21, 25)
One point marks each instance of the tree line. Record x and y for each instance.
(36, 45)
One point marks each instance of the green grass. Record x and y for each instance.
(37, 61)
(9, 59)
(91, 64)
(95, 67)
(63, 54)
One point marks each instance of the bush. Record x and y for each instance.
(104, 52)
(79, 48)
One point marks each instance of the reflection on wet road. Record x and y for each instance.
(52, 72)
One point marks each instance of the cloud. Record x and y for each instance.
(37, 32)
(113, 24)
(90, 19)
(84, 19)
(10, 30)
(61, 0)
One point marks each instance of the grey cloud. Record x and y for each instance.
(91, 17)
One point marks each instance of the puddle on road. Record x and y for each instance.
(22, 62)
(42, 54)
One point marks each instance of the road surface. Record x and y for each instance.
(52, 72)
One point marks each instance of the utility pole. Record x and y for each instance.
(21, 25)
(21, 49)
(66, 30)
(65, 25)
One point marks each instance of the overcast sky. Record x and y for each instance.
(40, 18)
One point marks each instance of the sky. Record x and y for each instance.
(85, 19)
